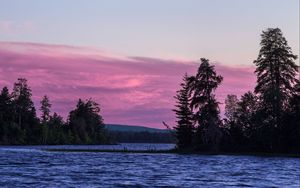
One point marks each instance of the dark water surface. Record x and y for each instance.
(33, 167)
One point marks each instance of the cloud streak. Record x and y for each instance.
(131, 90)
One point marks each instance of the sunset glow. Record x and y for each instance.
(129, 59)
(130, 90)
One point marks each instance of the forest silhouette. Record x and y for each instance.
(266, 119)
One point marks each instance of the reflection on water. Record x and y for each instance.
(32, 167)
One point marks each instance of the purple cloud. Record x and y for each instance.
(130, 90)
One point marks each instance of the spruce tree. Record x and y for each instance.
(86, 123)
(5, 106)
(5, 115)
(45, 109)
(56, 130)
(203, 101)
(25, 113)
(276, 74)
(22, 101)
(184, 128)
(45, 117)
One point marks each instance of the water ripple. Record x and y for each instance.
(31, 167)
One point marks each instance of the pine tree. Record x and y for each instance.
(45, 117)
(45, 109)
(184, 128)
(22, 100)
(5, 105)
(276, 71)
(5, 114)
(276, 75)
(24, 110)
(203, 101)
(56, 133)
(86, 123)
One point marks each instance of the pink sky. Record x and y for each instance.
(130, 90)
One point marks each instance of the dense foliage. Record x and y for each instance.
(185, 125)
(19, 123)
(197, 105)
(267, 120)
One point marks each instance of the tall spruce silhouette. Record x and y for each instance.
(6, 112)
(24, 110)
(5, 105)
(276, 75)
(184, 127)
(45, 117)
(45, 109)
(203, 101)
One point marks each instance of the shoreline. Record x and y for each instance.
(154, 151)
(173, 151)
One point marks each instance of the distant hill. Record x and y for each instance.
(132, 128)
(138, 134)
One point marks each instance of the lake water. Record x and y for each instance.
(32, 167)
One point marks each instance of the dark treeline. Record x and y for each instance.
(19, 123)
(266, 120)
(141, 137)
